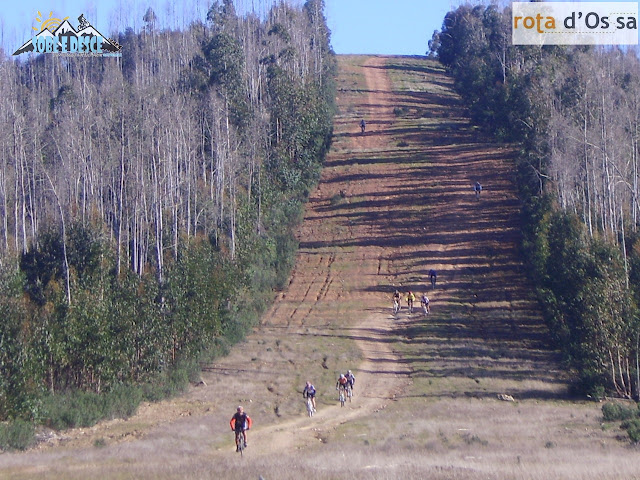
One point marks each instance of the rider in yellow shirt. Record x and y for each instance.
(410, 298)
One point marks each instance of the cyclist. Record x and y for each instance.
(410, 298)
(477, 188)
(396, 300)
(342, 382)
(363, 125)
(310, 392)
(240, 423)
(424, 301)
(351, 379)
(433, 276)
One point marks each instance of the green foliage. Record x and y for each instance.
(85, 409)
(628, 415)
(16, 435)
(633, 429)
(617, 412)
(240, 167)
(225, 57)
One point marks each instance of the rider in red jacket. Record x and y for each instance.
(240, 422)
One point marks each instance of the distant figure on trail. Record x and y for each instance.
(396, 302)
(342, 382)
(424, 301)
(351, 379)
(310, 392)
(477, 188)
(363, 125)
(433, 276)
(410, 299)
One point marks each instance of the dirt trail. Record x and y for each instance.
(391, 204)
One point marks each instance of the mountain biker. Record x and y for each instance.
(351, 379)
(424, 301)
(363, 125)
(410, 298)
(342, 382)
(396, 298)
(477, 188)
(310, 392)
(240, 423)
(433, 276)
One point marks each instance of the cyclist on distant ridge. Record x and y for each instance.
(477, 188)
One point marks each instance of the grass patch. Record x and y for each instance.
(400, 111)
(338, 199)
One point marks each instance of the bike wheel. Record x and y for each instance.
(342, 399)
(349, 393)
(239, 443)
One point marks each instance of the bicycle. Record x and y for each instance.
(396, 306)
(425, 308)
(349, 392)
(240, 446)
(341, 396)
(310, 410)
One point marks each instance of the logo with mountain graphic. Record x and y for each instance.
(59, 36)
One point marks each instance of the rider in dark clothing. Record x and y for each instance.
(240, 423)
(310, 392)
(433, 277)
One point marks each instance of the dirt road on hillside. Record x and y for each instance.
(392, 204)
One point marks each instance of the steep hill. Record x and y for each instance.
(433, 392)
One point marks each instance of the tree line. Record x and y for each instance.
(573, 111)
(148, 202)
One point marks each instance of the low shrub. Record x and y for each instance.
(633, 429)
(16, 435)
(400, 111)
(618, 412)
(85, 409)
(80, 409)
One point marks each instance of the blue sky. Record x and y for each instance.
(400, 27)
(357, 26)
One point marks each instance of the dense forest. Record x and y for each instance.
(574, 112)
(147, 202)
